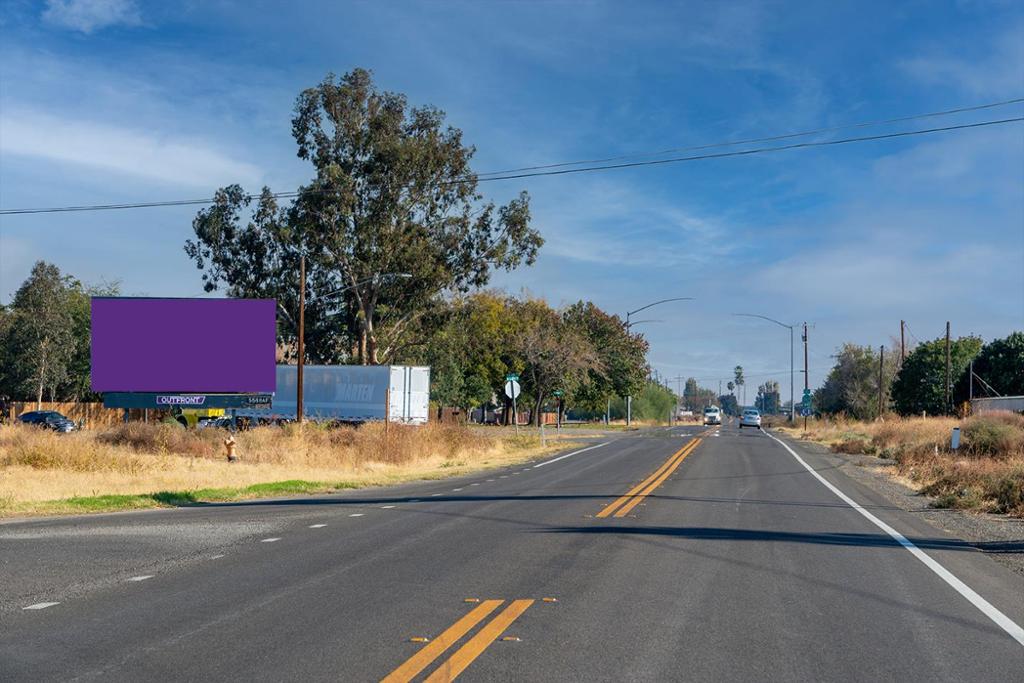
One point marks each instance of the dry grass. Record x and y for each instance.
(37, 465)
(986, 473)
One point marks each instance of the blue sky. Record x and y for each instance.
(121, 100)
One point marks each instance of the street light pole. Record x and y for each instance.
(792, 374)
(629, 398)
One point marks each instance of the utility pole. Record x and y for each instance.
(881, 385)
(807, 382)
(903, 341)
(948, 372)
(302, 331)
(970, 383)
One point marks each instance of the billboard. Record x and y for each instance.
(183, 345)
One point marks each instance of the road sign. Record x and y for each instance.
(511, 377)
(512, 389)
(806, 411)
(558, 392)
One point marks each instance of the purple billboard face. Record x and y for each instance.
(183, 345)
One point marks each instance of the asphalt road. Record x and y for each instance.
(730, 560)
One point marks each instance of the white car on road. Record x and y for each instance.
(712, 415)
(750, 418)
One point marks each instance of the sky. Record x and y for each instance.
(109, 101)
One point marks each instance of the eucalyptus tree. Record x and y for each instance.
(391, 219)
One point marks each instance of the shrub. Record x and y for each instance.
(162, 438)
(994, 435)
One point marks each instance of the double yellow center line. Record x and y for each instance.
(465, 655)
(622, 506)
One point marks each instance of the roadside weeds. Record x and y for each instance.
(140, 466)
(986, 474)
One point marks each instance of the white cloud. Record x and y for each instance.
(89, 15)
(609, 222)
(132, 152)
(998, 74)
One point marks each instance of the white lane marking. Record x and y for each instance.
(356, 514)
(476, 484)
(456, 489)
(386, 507)
(435, 495)
(41, 605)
(271, 540)
(986, 608)
(490, 480)
(141, 578)
(569, 455)
(216, 557)
(317, 526)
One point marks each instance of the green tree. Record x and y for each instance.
(40, 342)
(623, 366)
(79, 385)
(392, 214)
(554, 355)
(852, 385)
(920, 384)
(468, 352)
(729, 404)
(1000, 363)
(739, 382)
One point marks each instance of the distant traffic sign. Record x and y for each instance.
(511, 377)
(806, 411)
(512, 389)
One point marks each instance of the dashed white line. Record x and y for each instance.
(567, 455)
(356, 514)
(141, 578)
(271, 540)
(386, 507)
(435, 495)
(490, 480)
(41, 605)
(217, 557)
(476, 484)
(456, 489)
(317, 526)
(984, 606)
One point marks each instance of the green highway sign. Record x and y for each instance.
(511, 377)
(558, 392)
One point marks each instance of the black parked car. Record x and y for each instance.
(48, 419)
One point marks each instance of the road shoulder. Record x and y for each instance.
(997, 536)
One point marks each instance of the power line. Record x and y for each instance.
(564, 171)
(772, 138)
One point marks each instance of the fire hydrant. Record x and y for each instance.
(229, 447)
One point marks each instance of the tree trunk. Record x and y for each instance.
(538, 415)
(39, 392)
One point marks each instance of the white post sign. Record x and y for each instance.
(512, 390)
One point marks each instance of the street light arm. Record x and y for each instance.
(663, 301)
(764, 317)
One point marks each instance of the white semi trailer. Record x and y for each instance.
(351, 393)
